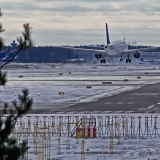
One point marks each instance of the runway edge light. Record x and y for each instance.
(61, 93)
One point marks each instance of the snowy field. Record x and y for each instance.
(134, 141)
(48, 80)
(45, 81)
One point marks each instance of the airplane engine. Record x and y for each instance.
(98, 55)
(136, 55)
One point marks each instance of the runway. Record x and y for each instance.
(114, 89)
(143, 100)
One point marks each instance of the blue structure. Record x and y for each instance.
(8, 52)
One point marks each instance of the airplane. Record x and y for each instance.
(3, 59)
(4, 51)
(114, 49)
(6, 56)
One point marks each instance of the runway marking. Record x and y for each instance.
(108, 111)
(108, 103)
(118, 111)
(156, 109)
(34, 107)
(151, 106)
(119, 102)
(69, 105)
(131, 102)
(158, 103)
(145, 94)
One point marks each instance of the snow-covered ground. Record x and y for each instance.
(135, 144)
(48, 80)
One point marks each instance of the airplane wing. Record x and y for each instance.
(84, 49)
(138, 50)
(12, 51)
(97, 47)
(3, 51)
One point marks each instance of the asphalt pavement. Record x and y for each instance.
(143, 100)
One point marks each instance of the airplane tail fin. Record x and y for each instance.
(107, 34)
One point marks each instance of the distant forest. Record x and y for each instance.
(52, 54)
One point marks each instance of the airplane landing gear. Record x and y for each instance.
(121, 58)
(103, 61)
(128, 60)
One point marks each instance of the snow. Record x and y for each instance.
(45, 79)
(130, 147)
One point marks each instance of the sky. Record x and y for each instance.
(80, 22)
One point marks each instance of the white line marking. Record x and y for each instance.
(118, 111)
(64, 106)
(107, 111)
(129, 111)
(158, 103)
(145, 94)
(119, 102)
(131, 102)
(151, 106)
(108, 103)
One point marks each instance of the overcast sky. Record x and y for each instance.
(78, 22)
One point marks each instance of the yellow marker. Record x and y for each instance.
(61, 93)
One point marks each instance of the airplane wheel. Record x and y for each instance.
(103, 61)
(128, 60)
(121, 59)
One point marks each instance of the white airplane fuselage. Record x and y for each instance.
(115, 48)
